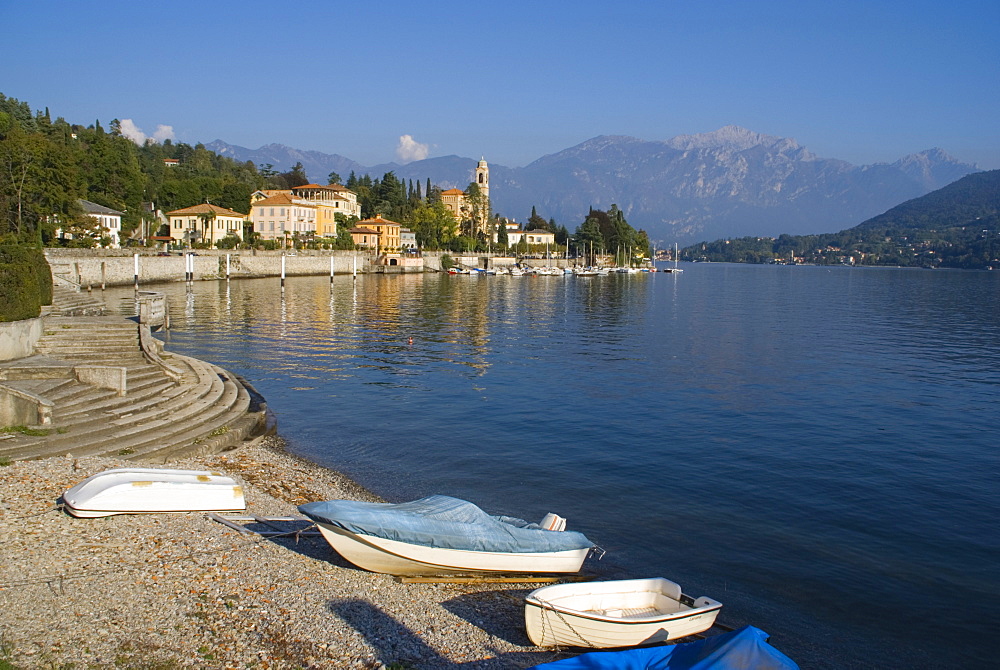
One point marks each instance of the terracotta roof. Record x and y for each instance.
(379, 221)
(206, 208)
(279, 199)
(361, 229)
(453, 191)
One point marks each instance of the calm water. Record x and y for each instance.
(816, 448)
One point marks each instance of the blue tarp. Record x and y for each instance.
(445, 523)
(743, 649)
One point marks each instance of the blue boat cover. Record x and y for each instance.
(743, 649)
(444, 523)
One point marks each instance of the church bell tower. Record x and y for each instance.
(483, 177)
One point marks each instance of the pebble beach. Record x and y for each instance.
(182, 590)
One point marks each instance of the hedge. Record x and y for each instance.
(25, 282)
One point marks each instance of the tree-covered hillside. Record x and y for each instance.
(957, 226)
(47, 165)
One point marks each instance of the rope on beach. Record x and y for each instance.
(57, 508)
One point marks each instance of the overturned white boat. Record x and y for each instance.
(147, 490)
(622, 613)
(441, 535)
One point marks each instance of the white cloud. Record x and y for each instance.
(134, 132)
(409, 149)
(163, 133)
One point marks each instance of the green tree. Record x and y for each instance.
(535, 222)
(479, 211)
(434, 225)
(295, 177)
(333, 178)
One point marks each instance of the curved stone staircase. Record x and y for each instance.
(171, 406)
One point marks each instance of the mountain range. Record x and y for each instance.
(732, 182)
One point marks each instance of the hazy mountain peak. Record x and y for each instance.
(732, 138)
(932, 167)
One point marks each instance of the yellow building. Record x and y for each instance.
(205, 223)
(389, 238)
(454, 200)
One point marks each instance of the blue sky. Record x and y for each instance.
(862, 81)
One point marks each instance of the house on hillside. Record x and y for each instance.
(109, 222)
(205, 223)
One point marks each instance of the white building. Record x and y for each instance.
(110, 221)
(530, 237)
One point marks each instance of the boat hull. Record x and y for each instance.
(623, 613)
(150, 490)
(402, 558)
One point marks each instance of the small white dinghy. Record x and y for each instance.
(622, 613)
(148, 490)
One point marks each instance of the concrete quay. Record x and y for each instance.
(99, 385)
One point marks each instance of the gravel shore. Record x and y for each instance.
(181, 590)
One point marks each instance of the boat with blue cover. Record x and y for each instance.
(741, 649)
(440, 535)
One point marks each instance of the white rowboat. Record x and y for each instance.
(623, 613)
(151, 490)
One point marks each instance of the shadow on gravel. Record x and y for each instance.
(396, 644)
(499, 613)
(391, 640)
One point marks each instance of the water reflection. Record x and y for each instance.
(778, 436)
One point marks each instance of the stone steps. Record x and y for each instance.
(198, 408)
(146, 428)
(74, 302)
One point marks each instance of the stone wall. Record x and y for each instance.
(18, 338)
(116, 267)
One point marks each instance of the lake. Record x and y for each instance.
(816, 448)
